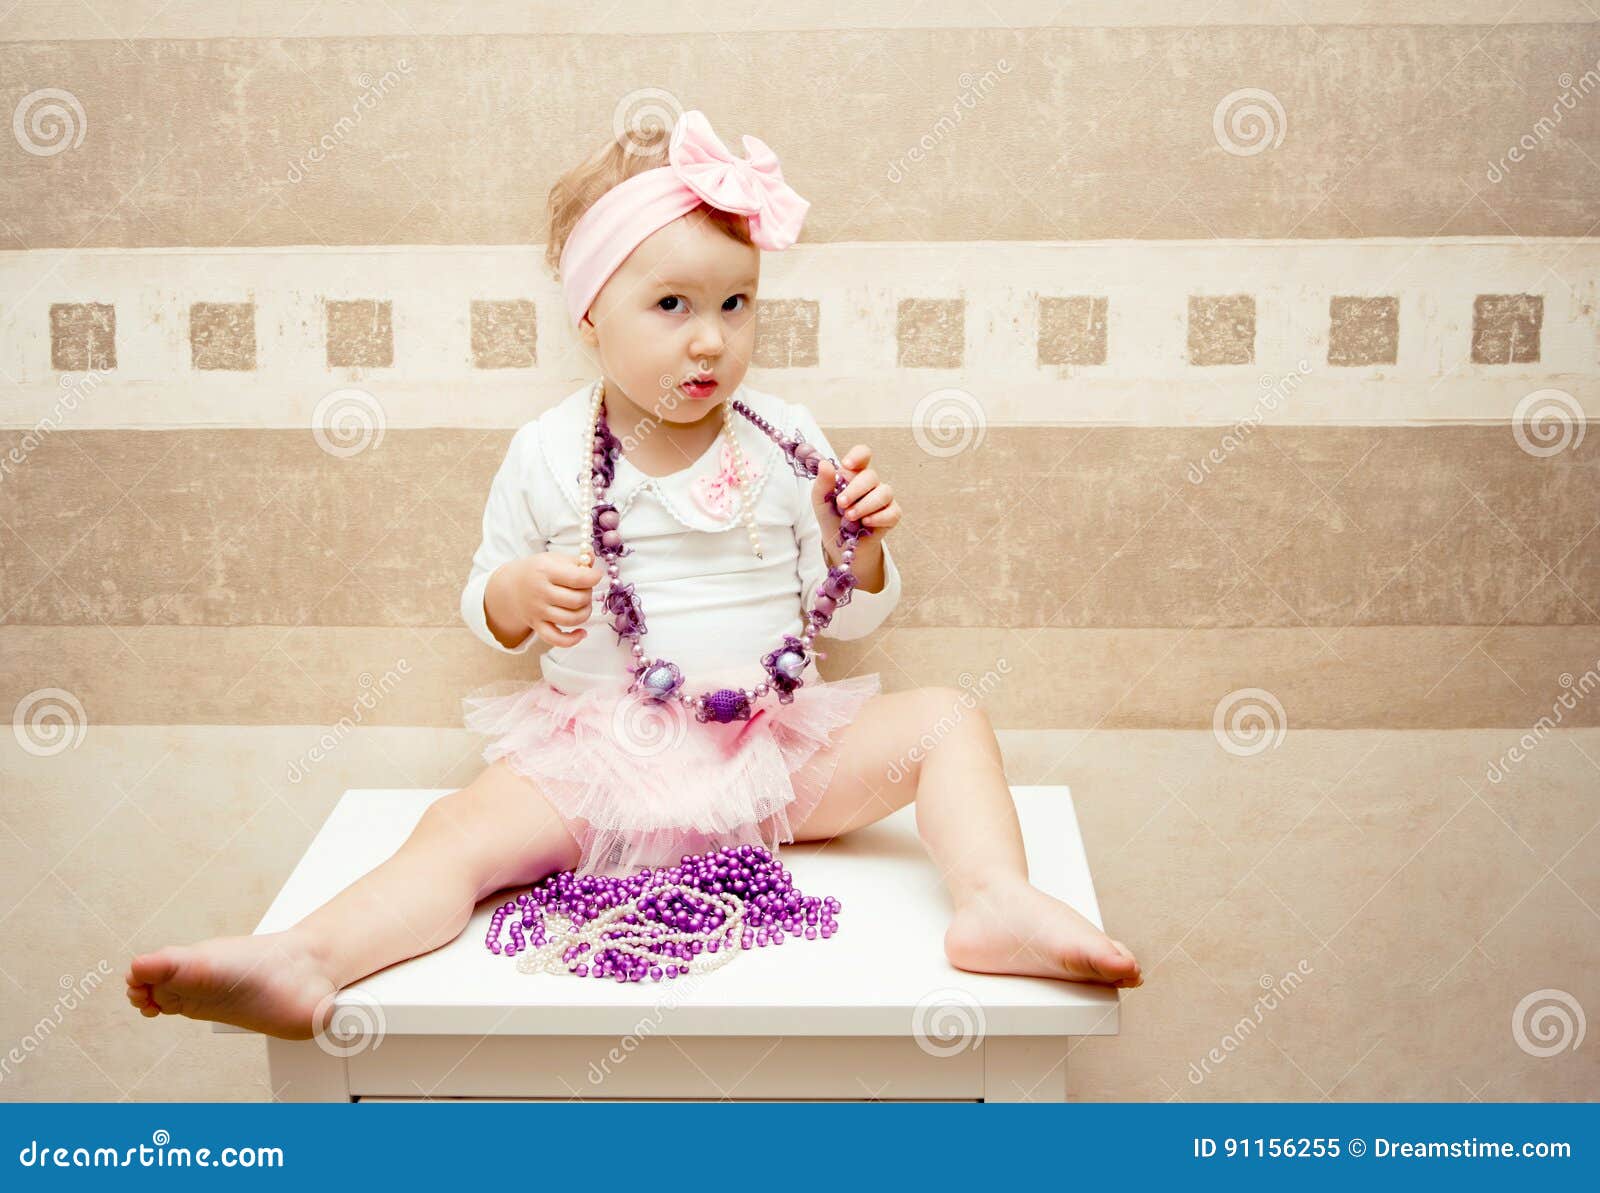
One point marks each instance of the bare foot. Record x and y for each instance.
(271, 983)
(1017, 928)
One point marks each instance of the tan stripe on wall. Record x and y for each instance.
(1338, 130)
(1428, 677)
(1070, 528)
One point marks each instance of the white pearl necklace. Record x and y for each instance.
(638, 941)
(586, 498)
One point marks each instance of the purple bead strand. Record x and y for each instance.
(774, 910)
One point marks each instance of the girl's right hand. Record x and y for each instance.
(554, 594)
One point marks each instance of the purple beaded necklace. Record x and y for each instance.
(692, 918)
(660, 679)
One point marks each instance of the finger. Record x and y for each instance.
(555, 636)
(888, 516)
(571, 574)
(823, 486)
(857, 458)
(860, 485)
(575, 599)
(879, 498)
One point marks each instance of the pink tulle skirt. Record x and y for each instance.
(639, 783)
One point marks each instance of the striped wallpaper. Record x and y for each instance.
(1225, 365)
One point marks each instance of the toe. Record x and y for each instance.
(151, 969)
(1117, 966)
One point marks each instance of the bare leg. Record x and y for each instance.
(967, 820)
(494, 833)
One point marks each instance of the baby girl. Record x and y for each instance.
(714, 521)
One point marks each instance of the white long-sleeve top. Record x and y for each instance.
(709, 604)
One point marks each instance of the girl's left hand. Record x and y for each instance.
(865, 498)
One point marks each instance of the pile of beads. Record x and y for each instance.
(691, 918)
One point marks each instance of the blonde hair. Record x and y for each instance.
(644, 148)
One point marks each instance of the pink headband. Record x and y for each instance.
(701, 171)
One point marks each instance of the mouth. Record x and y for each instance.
(699, 387)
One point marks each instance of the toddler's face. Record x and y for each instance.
(682, 305)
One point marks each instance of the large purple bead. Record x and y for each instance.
(726, 704)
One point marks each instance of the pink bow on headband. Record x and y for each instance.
(700, 170)
(751, 186)
(714, 493)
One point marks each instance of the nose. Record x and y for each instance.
(707, 337)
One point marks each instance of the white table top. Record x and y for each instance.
(883, 973)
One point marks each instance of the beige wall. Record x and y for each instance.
(1239, 367)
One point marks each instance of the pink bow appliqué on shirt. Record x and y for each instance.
(714, 493)
(752, 186)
